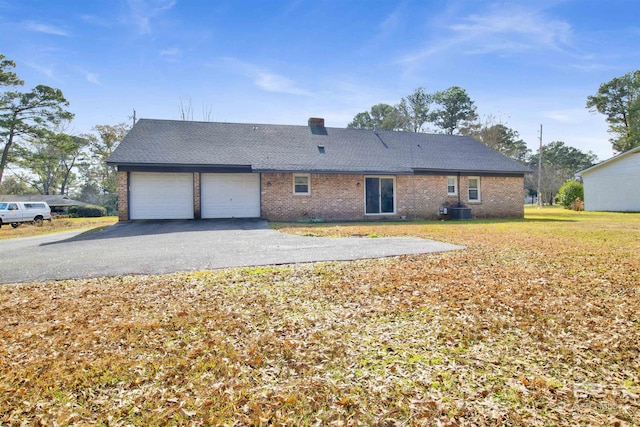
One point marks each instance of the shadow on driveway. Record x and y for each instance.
(158, 247)
(154, 227)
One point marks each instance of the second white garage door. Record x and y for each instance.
(230, 195)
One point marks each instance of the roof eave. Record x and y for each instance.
(436, 171)
(334, 171)
(180, 167)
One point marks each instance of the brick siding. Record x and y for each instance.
(196, 196)
(500, 197)
(337, 197)
(333, 197)
(123, 196)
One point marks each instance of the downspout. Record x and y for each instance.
(260, 186)
(459, 190)
(413, 184)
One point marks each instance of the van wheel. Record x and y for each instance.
(15, 224)
(38, 221)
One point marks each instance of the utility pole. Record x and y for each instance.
(540, 171)
(134, 116)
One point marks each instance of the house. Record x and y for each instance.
(58, 203)
(171, 169)
(612, 185)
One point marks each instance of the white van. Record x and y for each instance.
(15, 213)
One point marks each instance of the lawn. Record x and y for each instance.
(56, 225)
(536, 323)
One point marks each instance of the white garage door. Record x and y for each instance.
(230, 195)
(161, 195)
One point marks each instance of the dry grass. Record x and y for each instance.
(56, 225)
(536, 323)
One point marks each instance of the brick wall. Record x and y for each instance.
(420, 196)
(341, 197)
(333, 197)
(500, 197)
(196, 196)
(336, 197)
(123, 196)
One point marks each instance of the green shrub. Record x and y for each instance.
(569, 192)
(90, 211)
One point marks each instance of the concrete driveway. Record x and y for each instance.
(157, 247)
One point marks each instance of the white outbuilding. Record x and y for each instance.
(614, 185)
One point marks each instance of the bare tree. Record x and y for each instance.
(207, 111)
(186, 110)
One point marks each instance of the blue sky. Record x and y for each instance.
(524, 62)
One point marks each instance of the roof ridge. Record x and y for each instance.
(302, 126)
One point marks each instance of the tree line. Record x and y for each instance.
(452, 111)
(44, 157)
(452, 108)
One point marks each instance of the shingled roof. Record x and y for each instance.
(287, 148)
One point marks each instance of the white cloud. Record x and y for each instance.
(277, 83)
(45, 70)
(97, 20)
(93, 78)
(592, 67)
(574, 116)
(265, 79)
(391, 22)
(499, 46)
(534, 28)
(503, 30)
(171, 54)
(142, 12)
(558, 116)
(45, 29)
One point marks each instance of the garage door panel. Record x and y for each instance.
(230, 195)
(161, 195)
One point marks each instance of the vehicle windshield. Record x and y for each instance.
(3, 206)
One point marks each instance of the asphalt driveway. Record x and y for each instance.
(169, 246)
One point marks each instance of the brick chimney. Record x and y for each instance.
(316, 122)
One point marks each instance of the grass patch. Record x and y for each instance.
(56, 225)
(535, 323)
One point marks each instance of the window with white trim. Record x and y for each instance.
(452, 186)
(301, 184)
(474, 189)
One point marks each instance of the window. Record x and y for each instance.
(452, 186)
(301, 184)
(379, 195)
(474, 189)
